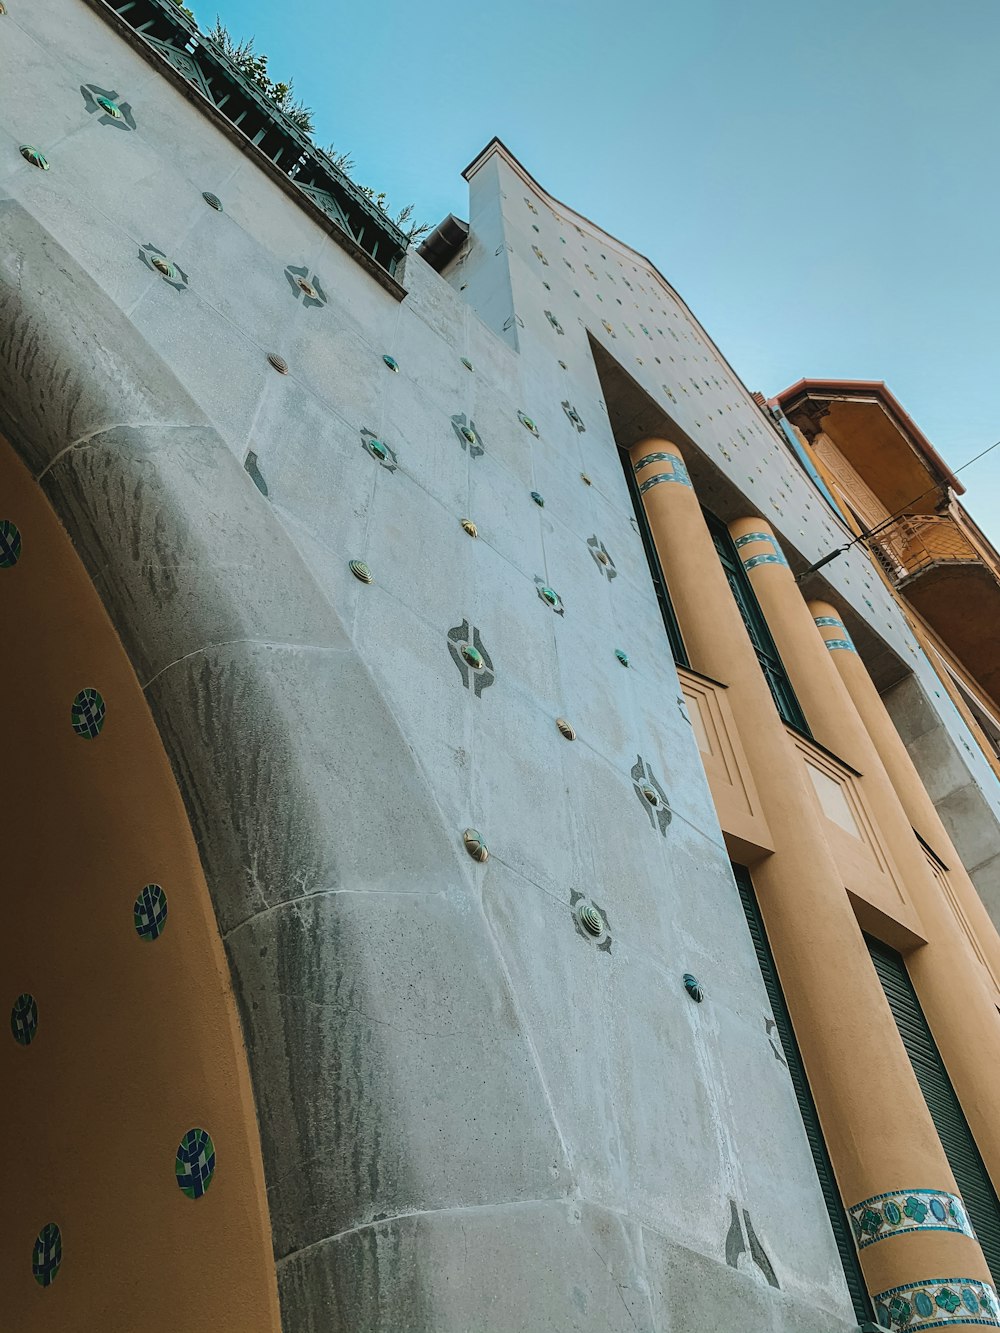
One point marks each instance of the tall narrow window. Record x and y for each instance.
(807, 1107)
(670, 623)
(760, 636)
(959, 1146)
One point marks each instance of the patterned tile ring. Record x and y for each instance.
(900, 1211)
(938, 1302)
(195, 1164)
(150, 912)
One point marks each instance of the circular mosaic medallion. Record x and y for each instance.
(47, 1255)
(195, 1164)
(87, 713)
(106, 104)
(150, 912)
(212, 200)
(33, 156)
(474, 845)
(24, 1019)
(893, 1213)
(591, 920)
(970, 1300)
(938, 1209)
(164, 267)
(10, 543)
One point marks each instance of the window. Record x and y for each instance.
(959, 1146)
(670, 623)
(807, 1107)
(760, 636)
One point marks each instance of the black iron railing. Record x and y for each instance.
(172, 36)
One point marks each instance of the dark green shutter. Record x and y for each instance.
(670, 622)
(974, 1183)
(760, 636)
(807, 1107)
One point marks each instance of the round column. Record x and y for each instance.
(916, 801)
(876, 1124)
(950, 981)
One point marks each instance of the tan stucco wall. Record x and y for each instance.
(137, 1040)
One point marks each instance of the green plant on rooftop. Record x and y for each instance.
(253, 65)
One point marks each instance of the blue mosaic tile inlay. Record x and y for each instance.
(150, 912)
(47, 1255)
(939, 1302)
(24, 1019)
(10, 543)
(195, 1164)
(88, 713)
(900, 1211)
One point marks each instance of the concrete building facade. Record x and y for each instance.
(463, 872)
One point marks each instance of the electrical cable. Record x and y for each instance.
(871, 532)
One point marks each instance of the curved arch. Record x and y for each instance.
(340, 895)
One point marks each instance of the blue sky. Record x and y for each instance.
(820, 181)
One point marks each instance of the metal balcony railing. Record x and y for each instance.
(917, 541)
(166, 32)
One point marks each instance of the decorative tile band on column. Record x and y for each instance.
(899, 1211)
(679, 473)
(775, 558)
(756, 560)
(650, 482)
(831, 622)
(939, 1302)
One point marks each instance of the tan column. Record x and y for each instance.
(875, 1121)
(920, 809)
(951, 981)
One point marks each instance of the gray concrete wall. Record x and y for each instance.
(473, 1117)
(596, 287)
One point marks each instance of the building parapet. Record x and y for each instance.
(165, 35)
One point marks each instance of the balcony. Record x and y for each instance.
(918, 542)
(936, 568)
